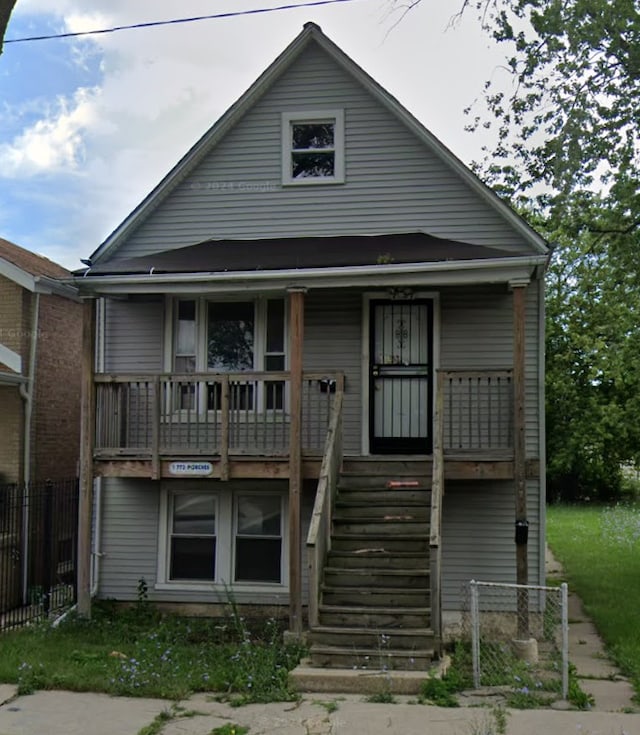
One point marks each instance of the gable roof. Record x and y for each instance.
(310, 33)
(35, 265)
(34, 272)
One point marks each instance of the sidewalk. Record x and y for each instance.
(68, 713)
(597, 674)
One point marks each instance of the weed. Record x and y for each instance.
(139, 652)
(330, 706)
(159, 721)
(438, 692)
(493, 723)
(384, 697)
(576, 694)
(230, 729)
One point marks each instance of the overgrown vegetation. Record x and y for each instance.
(598, 548)
(138, 652)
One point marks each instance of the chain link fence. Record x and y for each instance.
(518, 636)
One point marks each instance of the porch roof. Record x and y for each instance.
(224, 256)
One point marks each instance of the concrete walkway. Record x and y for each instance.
(67, 713)
(597, 674)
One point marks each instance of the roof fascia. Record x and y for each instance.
(202, 147)
(449, 158)
(48, 285)
(10, 358)
(445, 273)
(17, 275)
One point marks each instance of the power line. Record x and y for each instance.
(176, 21)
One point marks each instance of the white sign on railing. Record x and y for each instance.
(191, 469)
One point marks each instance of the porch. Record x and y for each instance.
(235, 425)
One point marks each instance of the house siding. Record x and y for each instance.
(134, 336)
(478, 537)
(393, 182)
(130, 528)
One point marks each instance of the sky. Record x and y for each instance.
(88, 126)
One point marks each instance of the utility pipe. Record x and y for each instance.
(26, 393)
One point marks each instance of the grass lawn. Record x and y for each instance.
(138, 652)
(600, 551)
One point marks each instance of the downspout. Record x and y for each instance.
(96, 553)
(26, 393)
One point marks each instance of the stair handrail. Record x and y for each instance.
(319, 535)
(437, 493)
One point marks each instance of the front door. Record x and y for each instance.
(400, 376)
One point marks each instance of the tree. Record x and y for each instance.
(566, 152)
(6, 7)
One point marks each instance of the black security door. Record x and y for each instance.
(401, 377)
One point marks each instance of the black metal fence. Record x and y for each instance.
(38, 550)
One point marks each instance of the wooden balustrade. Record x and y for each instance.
(149, 416)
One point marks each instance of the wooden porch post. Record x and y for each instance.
(296, 336)
(522, 524)
(87, 422)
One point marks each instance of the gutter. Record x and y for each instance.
(443, 272)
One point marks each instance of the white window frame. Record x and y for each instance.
(334, 116)
(283, 554)
(259, 345)
(226, 520)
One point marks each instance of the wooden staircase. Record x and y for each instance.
(374, 610)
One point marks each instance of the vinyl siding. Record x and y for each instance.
(478, 537)
(133, 336)
(130, 543)
(332, 341)
(393, 182)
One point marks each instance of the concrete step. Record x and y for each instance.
(377, 558)
(365, 597)
(377, 577)
(375, 617)
(380, 542)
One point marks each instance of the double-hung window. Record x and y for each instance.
(221, 536)
(313, 147)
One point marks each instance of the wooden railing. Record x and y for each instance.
(319, 535)
(209, 414)
(435, 525)
(477, 410)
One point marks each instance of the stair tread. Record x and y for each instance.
(378, 570)
(382, 630)
(373, 609)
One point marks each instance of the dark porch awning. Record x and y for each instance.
(219, 256)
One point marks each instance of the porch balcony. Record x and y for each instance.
(240, 423)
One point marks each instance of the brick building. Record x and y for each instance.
(40, 339)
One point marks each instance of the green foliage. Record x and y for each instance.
(383, 697)
(437, 692)
(604, 572)
(566, 151)
(576, 694)
(138, 652)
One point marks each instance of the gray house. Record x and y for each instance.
(319, 371)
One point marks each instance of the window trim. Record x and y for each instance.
(313, 116)
(260, 353)
(225, 540)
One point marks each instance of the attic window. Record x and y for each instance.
(313, 147)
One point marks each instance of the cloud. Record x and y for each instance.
(54, 143)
